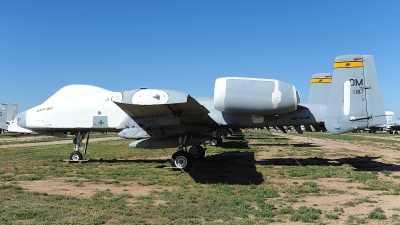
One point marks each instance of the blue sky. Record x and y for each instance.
(186, 45)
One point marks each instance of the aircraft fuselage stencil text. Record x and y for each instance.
(357, 83)
(44, 109)
(300, 118)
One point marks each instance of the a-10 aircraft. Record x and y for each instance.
(167, 118)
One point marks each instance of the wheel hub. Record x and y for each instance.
(75, 157)
(181, 162)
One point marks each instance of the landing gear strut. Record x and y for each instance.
(217, 139)
(77, 155)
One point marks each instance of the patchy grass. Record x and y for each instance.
(231, 186)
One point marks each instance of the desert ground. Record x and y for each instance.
(351, 201)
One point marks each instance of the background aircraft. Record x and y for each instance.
(168, 118)
(7, 115)
(392, 124)
(3, 117)
(320, 86)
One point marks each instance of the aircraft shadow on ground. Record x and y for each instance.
(124, 161)
(235, 138)
(243, 144)
(270, 138)
(227, 168)
(300, 145)
(224, 168)
(360, 163)
(234, 144)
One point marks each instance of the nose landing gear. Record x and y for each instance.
(77, 155)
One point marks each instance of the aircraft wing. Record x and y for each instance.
(154, 102)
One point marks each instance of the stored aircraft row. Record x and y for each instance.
(161, 118)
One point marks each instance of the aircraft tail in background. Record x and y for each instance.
(12, 112)
(3, 117)
(320, 86)
(355, 100)
(3, 112)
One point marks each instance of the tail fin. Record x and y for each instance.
(3, 112)
(355, 100)
(12, 113)
(320, 86)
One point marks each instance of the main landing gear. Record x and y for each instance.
(183, 158)
(217, 138)
(77, 155)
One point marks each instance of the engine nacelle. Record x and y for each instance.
(254, 96)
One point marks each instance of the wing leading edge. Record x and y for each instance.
(152, 103)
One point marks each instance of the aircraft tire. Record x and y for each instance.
(197, 152)
(182, 160)
(214, 141)
(76, 156)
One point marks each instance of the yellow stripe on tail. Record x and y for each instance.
(353, 64)
(321, 80)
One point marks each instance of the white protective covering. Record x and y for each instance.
(254, 96)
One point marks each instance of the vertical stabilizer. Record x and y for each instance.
(320, 86)
(3, 112)
(355, 100)
(12, 113)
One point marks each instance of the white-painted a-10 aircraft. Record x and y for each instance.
(167, 118)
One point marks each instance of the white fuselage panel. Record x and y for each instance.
(93, 110)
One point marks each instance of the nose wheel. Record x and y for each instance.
(76, 156)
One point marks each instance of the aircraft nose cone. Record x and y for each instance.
(20, 119)
(18, 125)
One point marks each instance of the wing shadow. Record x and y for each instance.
(359, 163)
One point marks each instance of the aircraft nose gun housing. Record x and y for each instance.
(254, 96)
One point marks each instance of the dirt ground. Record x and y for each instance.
(33, 138)
(383, 158)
